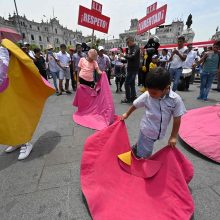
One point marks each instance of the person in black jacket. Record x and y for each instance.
(133, 58)
(40, 62)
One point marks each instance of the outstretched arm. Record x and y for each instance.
(175, 130)
(130, 110)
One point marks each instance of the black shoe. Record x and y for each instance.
(125, 101)
(134, 150)
(121, 90)
(218, 90)
(60, 93)
(68, 92)
(117, 91)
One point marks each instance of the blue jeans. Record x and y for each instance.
(175, 76)
(205, 84)
(55, 76)
(144, 146)
(130, 91)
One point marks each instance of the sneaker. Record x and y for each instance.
(199, 97)
(205, 100)
(60, 93)
(68, 92)
(11, 148)
(125, 101)
(25, 151)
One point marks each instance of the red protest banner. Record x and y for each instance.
(152, 8)
(96, 6)
(152, 20)
(93, 19)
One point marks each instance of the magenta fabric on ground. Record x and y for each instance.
(200, 128)
(95, 106)
(148, 189)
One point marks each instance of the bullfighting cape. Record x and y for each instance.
(118, 186)
(22, 101)
(200, 129)
(95, 105)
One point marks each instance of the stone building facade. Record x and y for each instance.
(216, 36)
(167, 34)
(44, 33)
(139, 39)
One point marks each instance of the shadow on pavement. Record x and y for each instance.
(194, 152)
(44, 145)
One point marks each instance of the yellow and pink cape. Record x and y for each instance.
(22, 102)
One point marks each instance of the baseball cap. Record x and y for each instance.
(100, 48)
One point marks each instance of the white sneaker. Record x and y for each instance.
(25, 151)
(11, 148)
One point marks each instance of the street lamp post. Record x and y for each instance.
(19, 25)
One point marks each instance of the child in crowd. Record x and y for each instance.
(154, 62)
(87, 66)
(160, 103)
(120, 73)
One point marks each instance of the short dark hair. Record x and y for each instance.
(36, 50)
(165, 50)
(130, 38)
(159, 78)
(63, 46)
(181, 37)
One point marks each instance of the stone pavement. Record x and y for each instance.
(47, 185)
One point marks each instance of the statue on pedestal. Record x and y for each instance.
(189, 21)
(189, 33)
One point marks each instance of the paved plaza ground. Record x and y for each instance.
(46, 186)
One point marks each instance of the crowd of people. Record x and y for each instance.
(78, 66)
(125, 64)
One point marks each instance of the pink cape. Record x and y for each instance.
(95, 106)
(200, 128)
(147, 189)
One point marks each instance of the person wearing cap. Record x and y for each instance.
(30, 53)
(103, 61)
(76, 58)
(86, 69)
(63, 62)
(52, 65)
(177, 59)
(154, 62)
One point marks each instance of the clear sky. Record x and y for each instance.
(206, 13)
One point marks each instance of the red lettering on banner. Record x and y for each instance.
(97, 6)
(93, 19)
(152, 8)
(152, 20)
